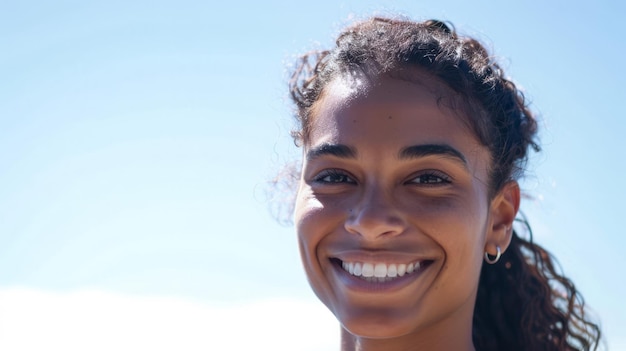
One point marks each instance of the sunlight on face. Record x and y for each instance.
(392, 208)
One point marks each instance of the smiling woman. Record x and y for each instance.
(413, 143)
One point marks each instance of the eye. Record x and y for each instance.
(334, 176)
(431, 178)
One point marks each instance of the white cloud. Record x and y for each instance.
(94, 320)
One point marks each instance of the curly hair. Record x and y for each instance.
(523, 302)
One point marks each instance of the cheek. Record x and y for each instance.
(315, 217)
(312, 224)
(456, 224)
(447, 213)
(459, 228)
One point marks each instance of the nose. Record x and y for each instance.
(375, 216)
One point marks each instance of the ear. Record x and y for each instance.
(504, 207)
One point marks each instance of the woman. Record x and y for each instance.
(413, 140)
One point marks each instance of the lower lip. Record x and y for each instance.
(361, 285)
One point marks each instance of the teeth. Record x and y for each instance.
(401, 269)
(368, 270)
(409, 268)
(392, 271)
(379, 272)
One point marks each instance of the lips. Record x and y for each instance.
(380, 272)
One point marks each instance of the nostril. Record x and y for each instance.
(375, 222)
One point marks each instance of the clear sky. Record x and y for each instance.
(137, 140)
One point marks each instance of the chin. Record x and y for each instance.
(376, 326)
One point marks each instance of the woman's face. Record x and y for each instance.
(392, 214)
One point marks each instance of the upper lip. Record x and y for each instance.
(387, 257)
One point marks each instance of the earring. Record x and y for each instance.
(490, 260)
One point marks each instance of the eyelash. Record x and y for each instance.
(335, 177)
(431, 178)
(426, 178)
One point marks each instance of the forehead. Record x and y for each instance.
(388, 111)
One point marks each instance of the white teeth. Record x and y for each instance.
(368, 270)
(392, 271)
(401, 269)
(409, 268)
(357, 269)
(379, 272)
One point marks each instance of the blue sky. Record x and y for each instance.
(137, 140)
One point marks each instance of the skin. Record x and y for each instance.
(372, 191)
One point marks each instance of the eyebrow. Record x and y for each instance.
(337, 150)
(410, 152)
(417, 151)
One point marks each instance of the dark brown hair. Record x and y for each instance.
(523, 303)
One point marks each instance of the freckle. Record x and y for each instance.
(390, 117)
(354, 121)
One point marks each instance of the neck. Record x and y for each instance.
(455, 335)
(444, 342)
